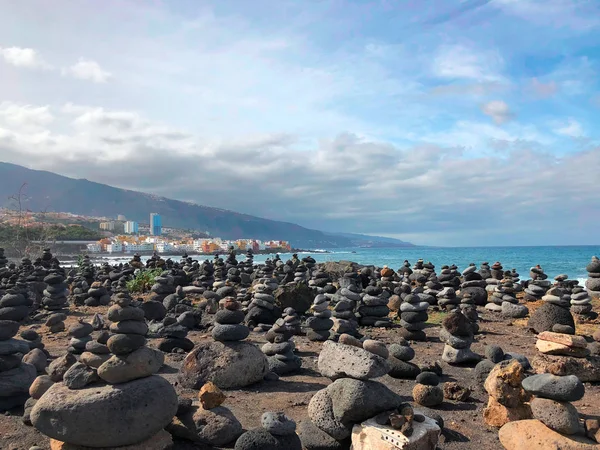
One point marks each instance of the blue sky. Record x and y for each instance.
(440, 122)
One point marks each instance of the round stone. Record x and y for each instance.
(129, 327)
(428, 379)
(402, 352)
(428, 395)
(376, 347)
(139, 364)
(121, 344)
(229, 317)
(118, 313)
(8, 329)
(566, 388)
(81, 330)
(222, 332)
(278, 424)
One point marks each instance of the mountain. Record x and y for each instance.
(365, 240)
(47, 191)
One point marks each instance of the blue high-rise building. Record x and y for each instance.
(155, 224)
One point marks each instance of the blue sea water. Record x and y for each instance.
(570, 260)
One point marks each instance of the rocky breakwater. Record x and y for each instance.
(228, 361)
(457, 335)
(119, 403)
(556, 422)
(351, 410)
(413, 316)
(592, 284)
(15, 375)
(565, 354)
(508, 400)
(320, 323)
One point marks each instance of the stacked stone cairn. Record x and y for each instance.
(552, 402)
(581, 303)
(427, 391)
(292, 321)
(538, 285)
(432, 288)
(97, 295)
(457, 335)
(96, 351)
(344, 317)
(15, 375)
(558, 295)
(14, 305)
(592, 284)
(469, 309)
(262, 310)
(400, 355)
(496, 274)
(474, 285)
(80, 336)
(301, 273)
(277, 432)
(373, 310)
(448, 277)
(66, 410)
(206, 421)
(3, 259)
(320, 323)
(55, 294)
(562, 344)
(280, 349)
(510, 306)
(56, 322)
(413, 317)
(447, 299)
(349, 409)
(319, 280)
(228, 322)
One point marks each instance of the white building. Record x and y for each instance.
(94, 248)
(131, 227)
(115, 247)
(164, 247)
(130, 247)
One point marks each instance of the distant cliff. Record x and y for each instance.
(47, 191)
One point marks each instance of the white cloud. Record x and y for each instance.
(570, 128)
(498, 111)
(461, 62)
(27, 58)
(87, 69)
(22, 116)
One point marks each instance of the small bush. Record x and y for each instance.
(143, 280)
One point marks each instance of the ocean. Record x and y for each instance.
(570, 260)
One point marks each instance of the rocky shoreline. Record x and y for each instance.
(226, 353)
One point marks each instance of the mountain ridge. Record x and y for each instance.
(48, 191)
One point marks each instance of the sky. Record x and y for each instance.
(440, 122)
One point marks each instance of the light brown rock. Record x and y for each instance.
(93, 360)
(592, 429)
(565, 339)
(504, 384)
(369, 435)
(39, 386)
(554, 348)
(211, 396)
(346, 339)
(160, 441)
(497, 415)
(534, 435)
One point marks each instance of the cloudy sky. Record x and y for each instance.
(442, 122)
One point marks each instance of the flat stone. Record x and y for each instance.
(138, 364)
(123, 344)
(565, 339)
(230, 332)
(402, 370)
(93, 360)
(459, 356)
(567, 388)
(11, 346)
(534, 435)
(79, 375)
(586, 369)
(138, 411)
(130, 327)
(553, 348)
(339, 360)
(118, 313)
(376, 347)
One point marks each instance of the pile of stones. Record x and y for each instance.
(3, 259)
(80, 336)
(592, 284)
(97, 295)
(56, 322)
(262, 309)
(485, 270)
(277, 432)
(474, 285)
(552, 402)
(228, 322)
(373, 309)
(16, 376)
(457, 335)
(14, 305)
(280, 349)
(320, 323)
(413, 316)
(96, 351)
(427, 391)
(400, 355)
(447, 299)
(562, 344)
(292, 321)
(55, 294)
(581, 303)
(448, 277)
